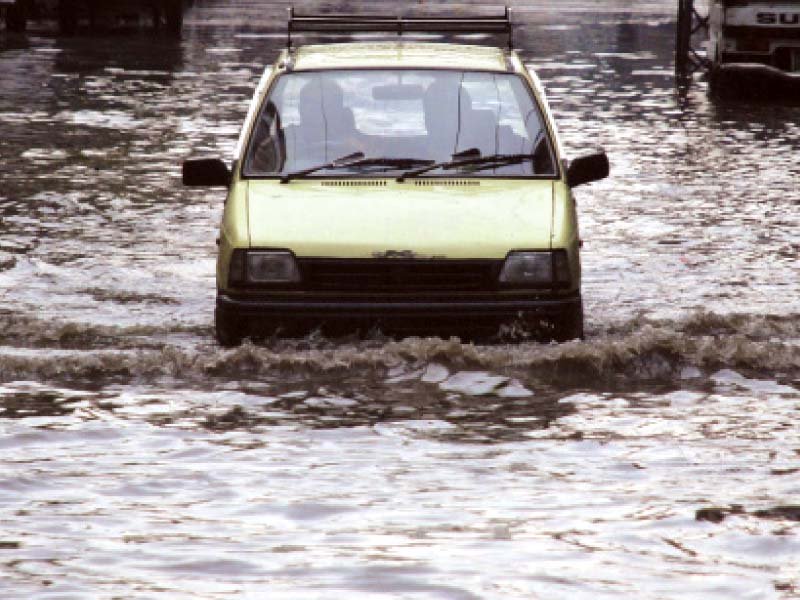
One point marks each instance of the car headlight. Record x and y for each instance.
(263, 267)
(536, 269)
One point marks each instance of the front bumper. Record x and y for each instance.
(465, 312)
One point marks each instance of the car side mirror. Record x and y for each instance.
(206, 172)
(587, 169)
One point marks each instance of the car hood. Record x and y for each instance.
(421, 217)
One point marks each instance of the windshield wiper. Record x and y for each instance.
(357, 160)
(482, 162)
(342, 161)
(392, 162)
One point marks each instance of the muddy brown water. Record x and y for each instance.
(658, 459)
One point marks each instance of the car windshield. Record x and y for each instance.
(310, 119)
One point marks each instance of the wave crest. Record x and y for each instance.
(639, 351)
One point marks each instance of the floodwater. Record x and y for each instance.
(660, 458)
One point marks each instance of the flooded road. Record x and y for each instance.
(660, 458)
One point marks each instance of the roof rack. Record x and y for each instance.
(338, 24)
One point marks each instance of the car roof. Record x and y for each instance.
(402, 54)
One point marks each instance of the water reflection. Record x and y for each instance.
(45, 403)
(459, 408)
(224, 506)
(152, 59)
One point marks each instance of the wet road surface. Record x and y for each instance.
(658, 459)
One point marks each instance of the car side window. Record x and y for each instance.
(267, 148)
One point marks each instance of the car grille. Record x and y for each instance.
(399, 275)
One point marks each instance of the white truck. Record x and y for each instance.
(757, 33)
(751, 43)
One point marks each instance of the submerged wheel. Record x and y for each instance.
(68, 17)
(17, 16)
(228, 330)
(683, 36)
(569, 324)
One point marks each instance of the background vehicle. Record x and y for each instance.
(749, 43)
(69, 13)
(757, 32)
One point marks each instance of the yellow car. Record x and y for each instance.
(406, 184)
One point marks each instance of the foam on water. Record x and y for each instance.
(636, 352)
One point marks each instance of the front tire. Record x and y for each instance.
(569, 324)
(228, 330)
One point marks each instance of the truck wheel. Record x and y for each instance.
(228, 330)
(17, 17)
(569, 324)
(174, 16)
(683, 35)
(67, 17)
